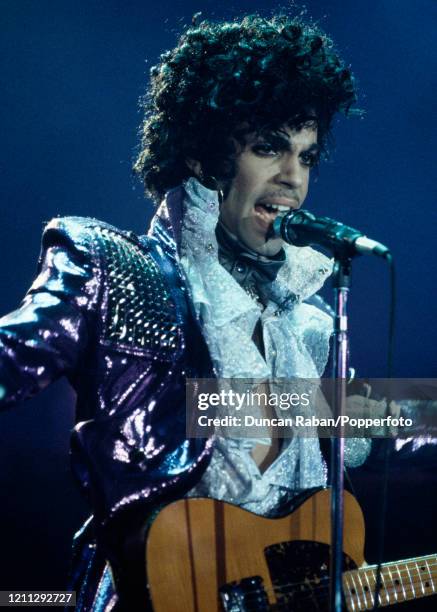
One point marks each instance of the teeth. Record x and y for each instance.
(276, 207)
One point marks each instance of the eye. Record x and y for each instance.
(264, 149)
(310, 159)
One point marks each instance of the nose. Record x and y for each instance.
(292, 174)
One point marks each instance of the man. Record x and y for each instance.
(237, 115)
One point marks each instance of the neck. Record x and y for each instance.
(400, 581)
(250, 269)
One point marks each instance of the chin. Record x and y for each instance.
(272, 249)
(269, 248)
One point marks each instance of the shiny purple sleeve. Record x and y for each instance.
(45, 337)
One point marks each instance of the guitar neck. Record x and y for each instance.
(400, 581)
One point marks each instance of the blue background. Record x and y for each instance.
(71, 75)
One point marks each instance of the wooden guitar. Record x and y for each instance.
(204, 555)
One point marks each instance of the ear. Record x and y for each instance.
(195, 166)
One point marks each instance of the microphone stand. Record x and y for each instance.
(301, 229)
(341, 284)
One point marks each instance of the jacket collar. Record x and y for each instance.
(166, 225)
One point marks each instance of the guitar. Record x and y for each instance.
(203, 555)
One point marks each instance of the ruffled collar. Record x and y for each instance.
(304, 271)
(296, 335)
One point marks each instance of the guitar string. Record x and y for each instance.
(316, 590)
(360, 595)
(316, 594)
(417, 581)
(284, 590)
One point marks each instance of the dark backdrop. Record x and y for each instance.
(71, 73)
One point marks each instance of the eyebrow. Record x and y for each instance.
(283, 140)
(314, 148)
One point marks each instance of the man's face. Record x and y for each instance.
(272, 174)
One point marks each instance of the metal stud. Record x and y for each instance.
(138, 297)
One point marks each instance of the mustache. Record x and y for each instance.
(282, 193)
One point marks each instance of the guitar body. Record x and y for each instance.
(197, 546)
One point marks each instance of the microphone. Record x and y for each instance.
(302, 228)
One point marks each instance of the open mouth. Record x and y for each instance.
(268, 212)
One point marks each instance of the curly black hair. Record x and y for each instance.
(228, 79)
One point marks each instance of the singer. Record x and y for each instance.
(237, 116)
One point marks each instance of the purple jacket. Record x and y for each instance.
(110, 311)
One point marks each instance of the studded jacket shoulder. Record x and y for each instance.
(108, 310)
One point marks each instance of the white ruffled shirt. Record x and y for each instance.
(296, 340)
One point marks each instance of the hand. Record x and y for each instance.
(359, 406)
